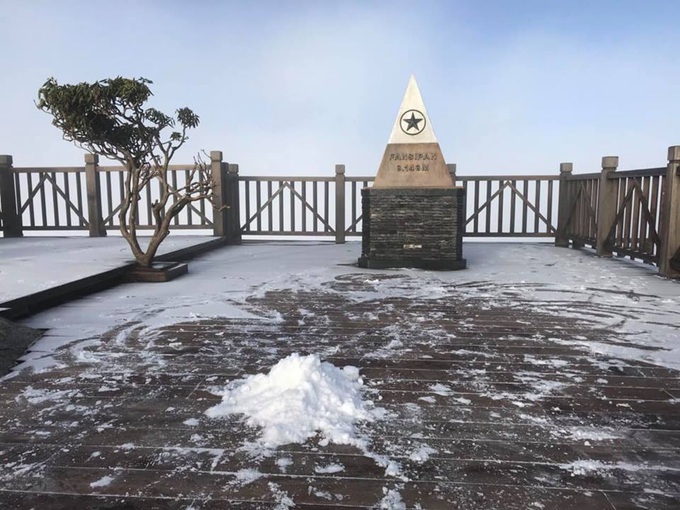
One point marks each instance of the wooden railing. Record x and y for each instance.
(634, 213)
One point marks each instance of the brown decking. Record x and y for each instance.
(521, 404)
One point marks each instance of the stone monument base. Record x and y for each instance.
(413, 227)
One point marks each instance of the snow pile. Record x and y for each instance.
(299, 397)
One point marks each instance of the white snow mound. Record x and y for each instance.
(300, 396)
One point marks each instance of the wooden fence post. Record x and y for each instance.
(94, 197)
(563, 204)
(219, 191)
(233, 223)
(339, 204)
(606, 205)
(11, 218)
(669, 251)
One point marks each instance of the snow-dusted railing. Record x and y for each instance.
(497, 206)
(88, 198)
(634, 213)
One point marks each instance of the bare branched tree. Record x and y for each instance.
(109, 118)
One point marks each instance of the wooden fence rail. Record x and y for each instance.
(634, 213)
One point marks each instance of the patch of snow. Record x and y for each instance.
(283, 463)
(102, 482)
(391, 500)
(428, 399)
(282, 499)
(300, 396)
(422, 454)
(590, 434)
(330, 468)
(191, 422)
(248, 475)
(584, 467)
(441, 389)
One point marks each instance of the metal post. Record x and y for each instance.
(606, 205)
(94, 197)
(11, 218)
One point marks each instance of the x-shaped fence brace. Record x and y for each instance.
(515, 191)
(287, 185)
(45, 176)
(628, 201)
(582, 195)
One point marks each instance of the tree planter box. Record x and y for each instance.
(158, 272)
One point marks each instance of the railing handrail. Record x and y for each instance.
(632, 211)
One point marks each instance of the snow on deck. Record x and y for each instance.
(32, 264)
(538, 378)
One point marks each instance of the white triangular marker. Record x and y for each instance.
(412, 157)
(412, 124)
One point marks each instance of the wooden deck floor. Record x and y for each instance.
(491, 407)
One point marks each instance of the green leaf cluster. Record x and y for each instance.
(109, 117)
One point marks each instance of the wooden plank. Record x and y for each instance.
(304, 205)
(281, 224)
(315, 204)
(292, 205)
(475, 221)
(513, 201)
(500, 205)
(173, 183)
(635, 226)
(47, 169)
(643, 240)
(247, 202)
(592, 216)
(55, 198)
(204, 218)
(550, 227)
(29, 202)
(538, 206)
(525, 206)
(488, 206)
(653, 209)
(278, 178)
(43, 202)
(67, 192)
(326, 206)
(508, 177)
(79, 198)
(354, 205)
(108, 189)
(642, 172)
(258, 204)
(627, 217)
(619, 205)
(270, 213)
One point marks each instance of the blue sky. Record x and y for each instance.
(294, 87)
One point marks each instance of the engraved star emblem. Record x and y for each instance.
(411, 124)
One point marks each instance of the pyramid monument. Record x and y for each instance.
(413, 157)
(413, 215)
